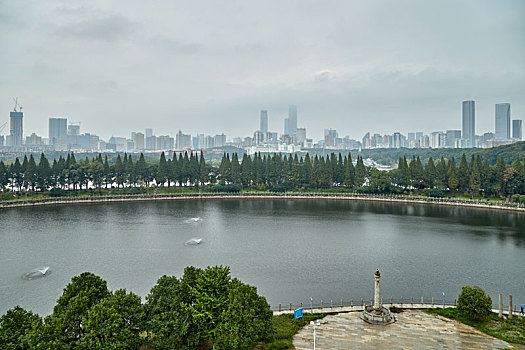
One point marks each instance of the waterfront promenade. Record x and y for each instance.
(267, 195)
(413, 329)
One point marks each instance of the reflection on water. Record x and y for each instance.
(290, 249)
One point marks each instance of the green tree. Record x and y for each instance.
(203, 170)
(349, 172)
(17, 175)
(84, 291)
(360, 172)
(235, 169)
(499, 181)
(162, 171)
(4, 176)
(119, 172)
(168, 312)
(513, 182)
(475, 178)
(210, 296)
(430, 173)
(141, 169)
(44, 173)
(452, 174)
(15, 325)
(247, 319)
(31, 173)
(473, 303)
(463, 174)
(114, 323)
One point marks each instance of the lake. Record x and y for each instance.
(292, 250)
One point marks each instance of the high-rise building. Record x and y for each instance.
(73, 130)
(290, 123)
(164, 142)
(138, 140)
(469, 123)
(183, 141)
(517, 129)
(502, 121)
(264, 122)
(57, 130)
(16, 128)
(330, 136)
(398, 140)
(149, 133)
(301, 136)
(219, 140)
(452, 137)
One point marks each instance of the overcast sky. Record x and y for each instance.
(211, 66)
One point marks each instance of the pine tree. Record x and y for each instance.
(518, 165)
(162, 171)
(499, 181)
(4, 176)
(44, 173)
(463, 174)
(119, 172)
(203, 170)
(31, 173)
(235, 169)
(349, 179)
(430, 173)
(452, 174)
(475, 178)
(360, 172)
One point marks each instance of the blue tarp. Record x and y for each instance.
(298, 313)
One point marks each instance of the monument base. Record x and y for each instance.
(381, 316)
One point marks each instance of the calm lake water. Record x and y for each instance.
(290, 249)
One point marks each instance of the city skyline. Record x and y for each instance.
(206, 67)
(67, 137)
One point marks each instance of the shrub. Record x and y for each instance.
(473, 303)
(436, 193)
(57, 192)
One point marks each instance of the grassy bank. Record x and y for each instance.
(512, 331)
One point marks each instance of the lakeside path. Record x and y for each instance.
(380, 198)
(413, 329)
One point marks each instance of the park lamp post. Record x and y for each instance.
(315, 324)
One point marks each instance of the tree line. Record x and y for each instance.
(276, 172)
(204, 308)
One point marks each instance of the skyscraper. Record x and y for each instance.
(16, 128)
(292, 120)
(57, 130)
(517, 129)
(469, 123)
(264, 122)
(502, 121)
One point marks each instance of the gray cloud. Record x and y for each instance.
(207, 67)
(109, 28)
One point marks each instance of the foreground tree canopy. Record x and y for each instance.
(275, 172)
(206, 307)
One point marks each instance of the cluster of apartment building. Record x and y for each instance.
(506, 131)
(67, 137)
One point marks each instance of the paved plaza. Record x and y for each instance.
(413, 329)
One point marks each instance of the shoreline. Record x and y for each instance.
(335, 196)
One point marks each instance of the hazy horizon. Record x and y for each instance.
(378, 66)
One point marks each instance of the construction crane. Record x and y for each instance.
(17, 105)
(2, 127)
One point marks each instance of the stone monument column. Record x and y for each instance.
(377, 292)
